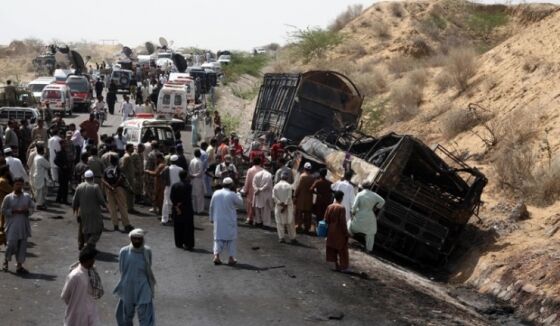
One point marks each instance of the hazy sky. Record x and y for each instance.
(217, 24)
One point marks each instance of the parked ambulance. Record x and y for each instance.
(176, 98)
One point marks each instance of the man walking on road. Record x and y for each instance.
(91, 128)
(116, 195)
(136, 285)
(99, 87)
(196, 172)
(16, 209)
(170, 176)
(284, 208)
(40, 175)
(138, 182)
(83, 286)
(127, 109)
(87, 203)
(223, 214)
(183, 224)
(16, 167)
(337, 236)
(129, 172)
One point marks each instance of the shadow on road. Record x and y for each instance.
(249, 267)
(201, 251)
(107, 257)
(37, 276)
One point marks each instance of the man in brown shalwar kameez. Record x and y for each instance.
(304, 199)
(337, 236)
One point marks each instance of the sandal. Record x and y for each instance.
(232, 262)
(22, 271)
(217, 261)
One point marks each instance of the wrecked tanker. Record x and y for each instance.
(298, 105)
(430, 194)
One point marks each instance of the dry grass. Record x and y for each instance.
(461, 66)
(353, 48)
(436, 110)
(370, 84)
(443, 81)
(405, 98)
(400, 65)
(380, 29)
(351, 13)
(396, 9)
(544, 188)
(460, 120)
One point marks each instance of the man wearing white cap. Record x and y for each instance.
(223, 214)
(170, 176)
(347, 188)
(136, 286)
(16, 167)
(304, 198)
(197, 172)
(87, 203)
(40, 174)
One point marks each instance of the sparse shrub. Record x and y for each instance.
(544, 188)
(436, 110)
(461, 66)
(460, 120)
(368, 65)
(405, 97)
(373, 112)
(370, 84)
(346, 17)
(353, 47)
(312, 43)
(418, 77)
(396, 9)
(380, 29)
(400, 65)
(483, 23)
(241, 63)
(443, 81)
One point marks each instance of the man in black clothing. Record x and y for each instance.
(112, 97)
(99, 88)
(182, 213)
(182, 161)
(65, 172)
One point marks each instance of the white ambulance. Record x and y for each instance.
(176, 98)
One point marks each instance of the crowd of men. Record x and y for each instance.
(108, 173)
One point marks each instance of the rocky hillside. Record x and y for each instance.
(481, 80)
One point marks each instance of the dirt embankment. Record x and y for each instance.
(419, 65)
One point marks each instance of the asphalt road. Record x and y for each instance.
(273, 284)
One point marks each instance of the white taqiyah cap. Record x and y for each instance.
(7, 150)
(137, 233)
(307, 166)
(283, 139)
(227, 181)
(174, 158)
(88, 174)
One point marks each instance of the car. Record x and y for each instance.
(62, 74)
(59, 98)
(24, 97)
(224, 59)
(122, 78)
(81, 91)
(8, 113)
(36, 86)
(142, 131)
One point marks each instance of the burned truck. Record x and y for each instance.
(298, 105)
(430, 194)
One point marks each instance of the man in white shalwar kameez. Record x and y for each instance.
(282, 194)
(79, 294)
(54, 147)
(364, 220)
(40, 176)
(262, 203)
(223, 214)
(197, 172)
(347, 188)
(171, 173)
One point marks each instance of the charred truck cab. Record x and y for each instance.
(430, 194)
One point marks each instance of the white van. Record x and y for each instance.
(176, 98)
(37, 85)
(59, 98)
(144, 131)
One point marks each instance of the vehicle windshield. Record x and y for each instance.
(52, 95)
(165, 55)
(78, 85)
(37, 87)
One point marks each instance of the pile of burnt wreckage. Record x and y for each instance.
(430, 193)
